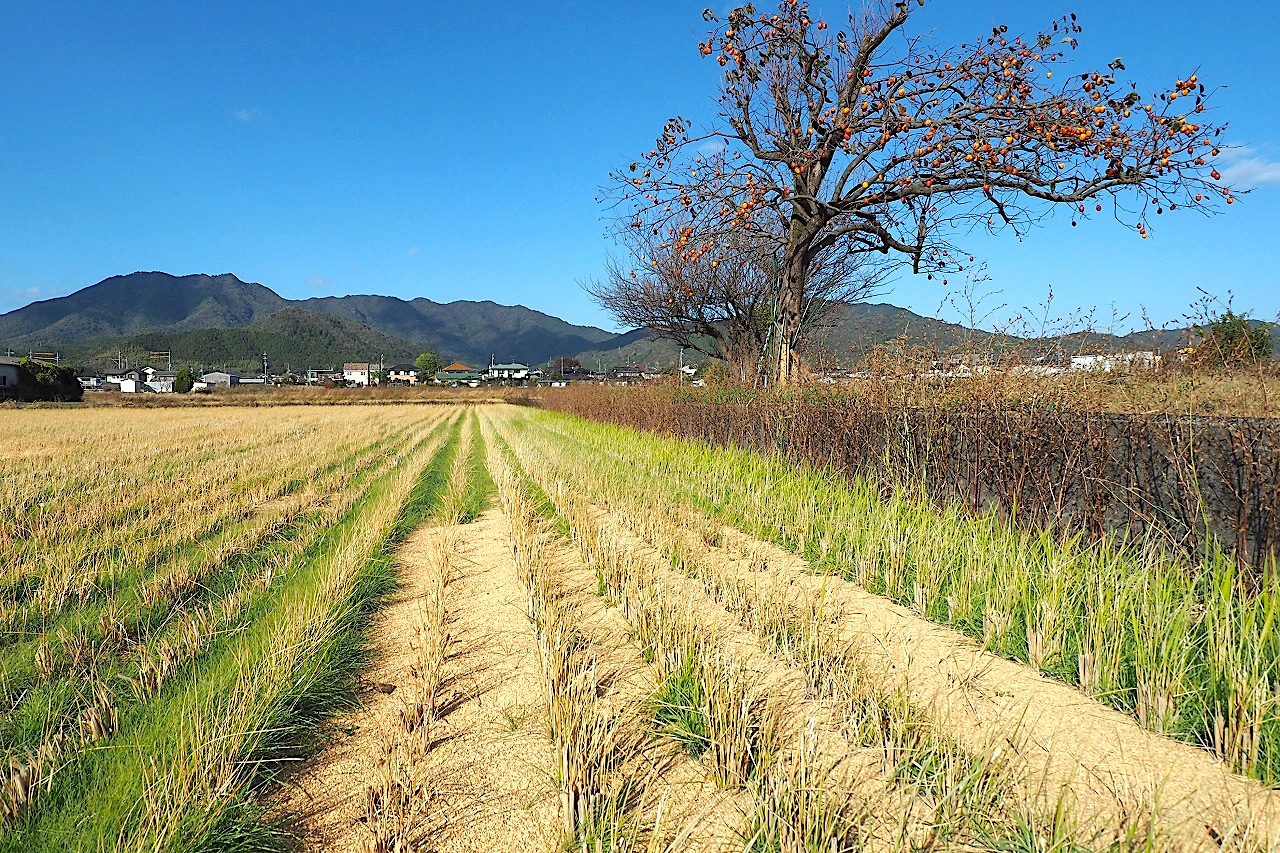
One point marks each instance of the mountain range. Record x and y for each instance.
(219, 320)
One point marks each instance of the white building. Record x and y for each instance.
(225, 378)
(356, 373)
(315, 377)
(1116, 361)
(513, 370)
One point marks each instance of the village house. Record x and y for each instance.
(133, 374)
(457, 374)
(512, 371)
(402, 374)
(225, 378)
(357, 373)
(162, 381)
(630, 373)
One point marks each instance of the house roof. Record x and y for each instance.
(403, 368)
(356, 365)
(457, 367)
(509, 366)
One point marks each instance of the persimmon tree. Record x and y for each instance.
(719, 303)
(869, 141)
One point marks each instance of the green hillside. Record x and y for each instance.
(292, 337)
(145, 310)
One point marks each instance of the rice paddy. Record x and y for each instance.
(449, 628)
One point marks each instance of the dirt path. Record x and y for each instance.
(485, 772)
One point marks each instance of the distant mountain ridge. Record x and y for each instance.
(124, 305)
(220, 320)
(158, 306)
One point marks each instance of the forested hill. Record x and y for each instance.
(126, 305)
(292, 338)
(158, 311)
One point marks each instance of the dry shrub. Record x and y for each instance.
(1185, 478)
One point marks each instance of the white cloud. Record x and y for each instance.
(28, 293)
(12, 298)
(414, 252)
(246, 115)
(712, 147)
(1246, 167)
(317, 282)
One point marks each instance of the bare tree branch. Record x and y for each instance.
(869, 142)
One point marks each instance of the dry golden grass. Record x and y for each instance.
(137, 542)
(683, 685)
(978, 782)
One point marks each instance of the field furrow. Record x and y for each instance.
(473, 757)
(457, 629)
(1119, 780)
(196, 710)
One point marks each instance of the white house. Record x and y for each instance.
(356, 373)
(512, 370)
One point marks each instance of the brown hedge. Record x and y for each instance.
(1188, 478)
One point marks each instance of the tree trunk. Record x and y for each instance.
(786, 321)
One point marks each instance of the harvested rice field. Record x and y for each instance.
(494, 628)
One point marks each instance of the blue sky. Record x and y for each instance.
(455, 151)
